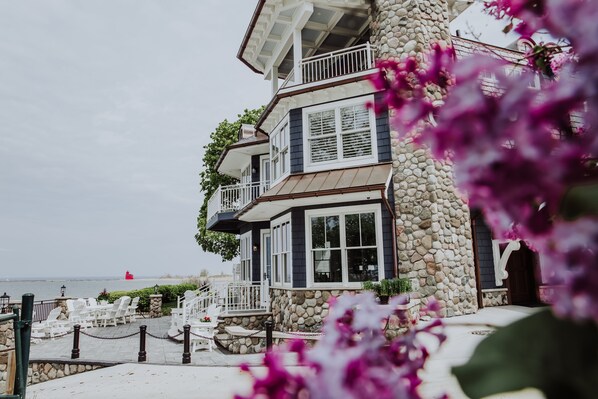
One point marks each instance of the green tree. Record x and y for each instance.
(224, 244)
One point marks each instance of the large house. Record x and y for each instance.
(328, 195)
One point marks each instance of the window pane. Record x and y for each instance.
(318, 237)
(362, 264)
(323, 149)
(357, 144)
(368, 229)
(276, 269)
(321, 123)
(327, 266)
(333, 238)
(286, 268)
(355, 117)
(352, 230)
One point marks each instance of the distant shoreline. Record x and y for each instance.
(90, 278)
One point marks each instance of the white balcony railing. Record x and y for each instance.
(235, 197)
(334, 64)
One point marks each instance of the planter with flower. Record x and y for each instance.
(387, 288)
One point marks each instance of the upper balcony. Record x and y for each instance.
(228, 200)
(331, 66)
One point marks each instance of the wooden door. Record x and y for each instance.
(521, 281)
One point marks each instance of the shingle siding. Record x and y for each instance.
(296, 139)
(484, 252)
(298, 245)
(382, 132)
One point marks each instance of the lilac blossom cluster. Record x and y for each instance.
(353, 359)
(517, 152)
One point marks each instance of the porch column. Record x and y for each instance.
(297, 55)
(274, 77)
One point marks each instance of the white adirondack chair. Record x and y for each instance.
(132, 309)
(80, 315)
(51, 326)
(109, 316)
(121, 314)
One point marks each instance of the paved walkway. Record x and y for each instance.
(220, 380)
(110, 350)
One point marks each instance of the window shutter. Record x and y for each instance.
(355, 130)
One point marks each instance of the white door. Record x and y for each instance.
(266, 255)
(264, 174)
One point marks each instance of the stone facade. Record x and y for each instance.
(242, 345)
(155, 306)
(495, 297)
(45, 371)
(300, 309)
(433, 228)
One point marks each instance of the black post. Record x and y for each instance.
(142, 357)
(22, 333)
(269, 327)
(186, 341)
(75, 352)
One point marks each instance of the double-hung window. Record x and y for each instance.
(281, 251)
(344, 245)
(279, 151)
(245, 255)
(340, 133)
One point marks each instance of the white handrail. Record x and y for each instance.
(334, 64)
(235, 197)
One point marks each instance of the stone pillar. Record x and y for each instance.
(433, 227)
(7, 340)
(61, 301)
(155, 305)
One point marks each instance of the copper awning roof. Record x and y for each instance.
(345, 185)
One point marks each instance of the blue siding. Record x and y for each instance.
(256, 256)
(298, 245)
(382, 133)
(387, 242)
(255, 166)
(483, 239)
(296, 140)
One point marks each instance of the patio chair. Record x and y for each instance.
(121, 313)
(213, 311)
(80, 315)
(132, 309)
(51, 326)
(109, 316)
(92, 302)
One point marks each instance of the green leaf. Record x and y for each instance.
(558, 357)
(580, 201)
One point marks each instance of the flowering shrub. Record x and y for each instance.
(353, 359)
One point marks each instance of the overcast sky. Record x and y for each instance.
(105, 107)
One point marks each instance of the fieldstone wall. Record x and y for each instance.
(155, 306)
(433, 227)
(242, 345)
(495, 297)
(6, 341)
(300, 309)
(45, 371)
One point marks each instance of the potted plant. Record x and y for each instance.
(386, 288)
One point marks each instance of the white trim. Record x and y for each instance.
(249, 249)
(283, 122)
(376, 208)
(337, 164)
(500, 261)
(276, 222)
(263, 233)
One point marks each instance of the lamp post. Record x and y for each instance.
(62, 290)
(4, 302)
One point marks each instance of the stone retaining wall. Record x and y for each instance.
(242, 345)
(495, 297)
(300, 309)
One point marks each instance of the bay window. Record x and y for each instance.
(341, 133)
(344, 245)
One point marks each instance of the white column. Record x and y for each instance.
(297, 55)
(274, 77)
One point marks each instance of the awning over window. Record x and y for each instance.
(319, 188)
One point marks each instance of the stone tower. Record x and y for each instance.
(434, 240)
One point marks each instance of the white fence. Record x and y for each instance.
(334, 64)
(247, 297)
(235, 197)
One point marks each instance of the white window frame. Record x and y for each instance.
(339, 162)
(264, 182)
(278, 169)
(342, 211)
(245, 255)
(277, 251)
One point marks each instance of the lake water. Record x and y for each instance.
(77, 288)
